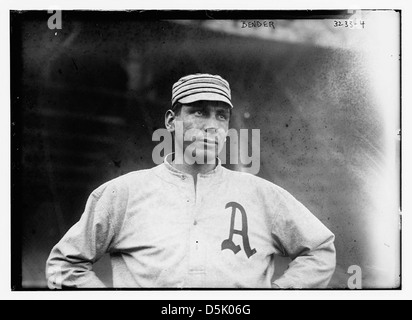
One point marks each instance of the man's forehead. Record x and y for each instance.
(208, 104)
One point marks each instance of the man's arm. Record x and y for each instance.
(70, 262)
(301, 236)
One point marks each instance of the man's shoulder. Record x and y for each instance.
(260, 186)
(251, 180)
(129, 179)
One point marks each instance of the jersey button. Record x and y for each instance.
(195, 222)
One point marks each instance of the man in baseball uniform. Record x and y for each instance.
(189, 222)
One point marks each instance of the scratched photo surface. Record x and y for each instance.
(324, 91)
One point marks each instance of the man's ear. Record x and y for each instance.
(170, 118)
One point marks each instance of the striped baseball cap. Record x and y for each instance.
(201, 86)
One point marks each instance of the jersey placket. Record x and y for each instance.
(197, 248)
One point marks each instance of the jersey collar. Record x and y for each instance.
(173, 175)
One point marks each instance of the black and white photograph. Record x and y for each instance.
(206, 150)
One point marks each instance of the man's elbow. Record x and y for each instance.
(54, 274)
(62, 270)
(327, 261)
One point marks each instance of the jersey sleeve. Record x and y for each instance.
(297, 233)
(70, 262)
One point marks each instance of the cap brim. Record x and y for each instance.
(202, 96)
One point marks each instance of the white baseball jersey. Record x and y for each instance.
(163, 231)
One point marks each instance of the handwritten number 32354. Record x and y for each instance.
(348, 24)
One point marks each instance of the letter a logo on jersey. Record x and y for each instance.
(228, 243)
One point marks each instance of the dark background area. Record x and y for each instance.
(87, 98)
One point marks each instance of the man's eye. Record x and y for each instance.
(222, 117)
(198, 113)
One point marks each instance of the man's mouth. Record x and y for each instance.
(210, 141)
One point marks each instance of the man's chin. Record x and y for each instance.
(205, 156)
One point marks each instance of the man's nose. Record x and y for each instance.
(211, 124)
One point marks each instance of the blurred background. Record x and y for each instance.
(86, 99)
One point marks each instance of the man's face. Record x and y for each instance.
(205, 125)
